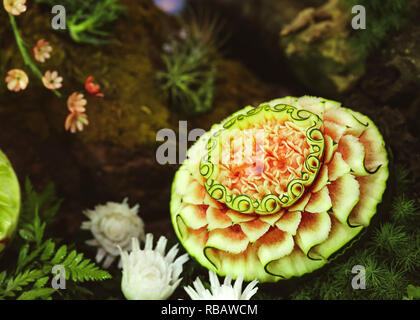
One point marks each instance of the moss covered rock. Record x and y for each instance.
(134, 108)
(316, 43)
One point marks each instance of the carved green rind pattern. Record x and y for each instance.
(304, 120)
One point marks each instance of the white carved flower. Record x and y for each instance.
(221, 292)
(113, 225)
(149, 274)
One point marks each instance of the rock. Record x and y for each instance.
(316, 45)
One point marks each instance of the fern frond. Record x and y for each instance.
(38, 293)
(41, 282)
(15, 284)
(59, 255)
(49, 249)
(28, 278)
(77, 268)
(84, 270)
(26, 258)
(46, 203)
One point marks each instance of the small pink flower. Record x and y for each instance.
(75, 121)
(52, 81)
(17, 80)
(15, 7)
(42, 50)
(76, 102)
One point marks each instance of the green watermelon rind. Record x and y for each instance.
(10, 201)
(335, 249)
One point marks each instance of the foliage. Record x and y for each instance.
(190, 70)
(413, 292)
(87, 19)
(382, 18)
(36, 255)
(391, 258)
(403, 208)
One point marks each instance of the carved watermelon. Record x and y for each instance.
(272, 192)
(9, 201)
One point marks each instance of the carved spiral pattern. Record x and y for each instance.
(270, 203)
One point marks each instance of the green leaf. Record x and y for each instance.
(86, 271)
(49, 248)
(27, 235)
(45, 203)
(41, 282)
(2, 277)
(59, 256)
(413, 292)
(23, 254)
(22, 279)
(87, 19)
(27, 259)
(36, 294)
(69, 259)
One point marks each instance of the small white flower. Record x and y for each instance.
(17, 80)
(167, 47)
(52, 80)
(183, 34)
(113, 225)
(148, 274)
(221, 292)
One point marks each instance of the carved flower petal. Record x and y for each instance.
(274, 245)
(194, 216)
(345, 194)
(289, 222)
(337, 167)
(254, 229)
(319, 202)
(231, 239)
(217, 218)
(313, 229)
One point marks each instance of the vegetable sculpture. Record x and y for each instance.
(272, 192)
(9, 201)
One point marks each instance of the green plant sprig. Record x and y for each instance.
(87, 28)
(86, 19)
(190, 65)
